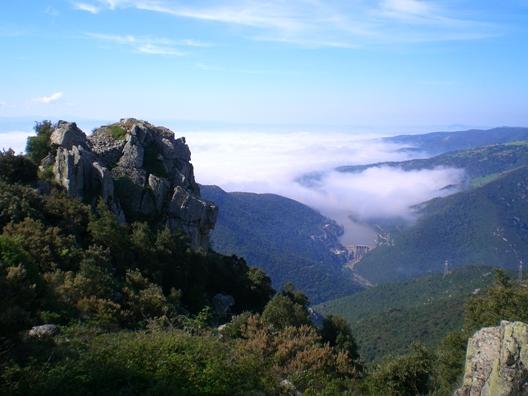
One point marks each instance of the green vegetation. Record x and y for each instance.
(116, 131)
(481, 164)
(484, 226)
(39, 146)
(483, 180)
(280, 236)
(442, 142)
(16, 168)
(423, 309)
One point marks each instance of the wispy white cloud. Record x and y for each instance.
(149, 45)
(407, 8)
(91, 8)
(54, 97)
(332, 23)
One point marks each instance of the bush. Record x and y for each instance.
(287, 308)
(38, 147)
(336, 331)
(16, 168)
(18, 288)
(404, 375)
(116, 131)
(170, 363)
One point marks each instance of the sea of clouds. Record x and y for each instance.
(273, 162)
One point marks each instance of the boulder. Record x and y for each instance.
(44, 331)
(497, 362)
(67, 135)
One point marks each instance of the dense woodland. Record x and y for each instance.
(425, 309)
(288, 240)
(135, 310)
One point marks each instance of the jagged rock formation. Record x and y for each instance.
(497, 362)
(141, 171)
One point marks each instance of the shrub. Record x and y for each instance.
(404, 375)
(16, 168)
(38, 147)
(287, 308)
(116, 131)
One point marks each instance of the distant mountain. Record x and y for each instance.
(290, 241)
(386, 319)
(481, 164)
(442, 142)
(487, 225)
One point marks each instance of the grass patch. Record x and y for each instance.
(116, 131)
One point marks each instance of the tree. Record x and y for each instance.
(16, 168)
(18, 288)
(503, 301)
(450, 359)
(337, 333)
(38, 147)
(404, 375)
(287, 308)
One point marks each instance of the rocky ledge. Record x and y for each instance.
(141, 171)
(497, 362)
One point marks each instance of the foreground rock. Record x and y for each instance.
(497, 362)
(44, 331)
(141, 171)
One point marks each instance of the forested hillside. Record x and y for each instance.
(290, 241)
(386, 319)
(442, 142)
(487, 225)
(482, 164)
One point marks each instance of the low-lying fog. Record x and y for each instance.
(273, 163)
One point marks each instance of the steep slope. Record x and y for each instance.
(483, 226)
(290, 241)
(481, 164)
(386, 319)
(442, 142)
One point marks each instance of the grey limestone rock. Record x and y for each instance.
(44, 331)
(138, 169)
(67, 135)
(497, 362)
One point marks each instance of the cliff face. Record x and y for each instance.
(141, 171)
(497, 362)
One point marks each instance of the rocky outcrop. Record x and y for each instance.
(141, 171)
(497, 362)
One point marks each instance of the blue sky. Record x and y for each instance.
(377, 63)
